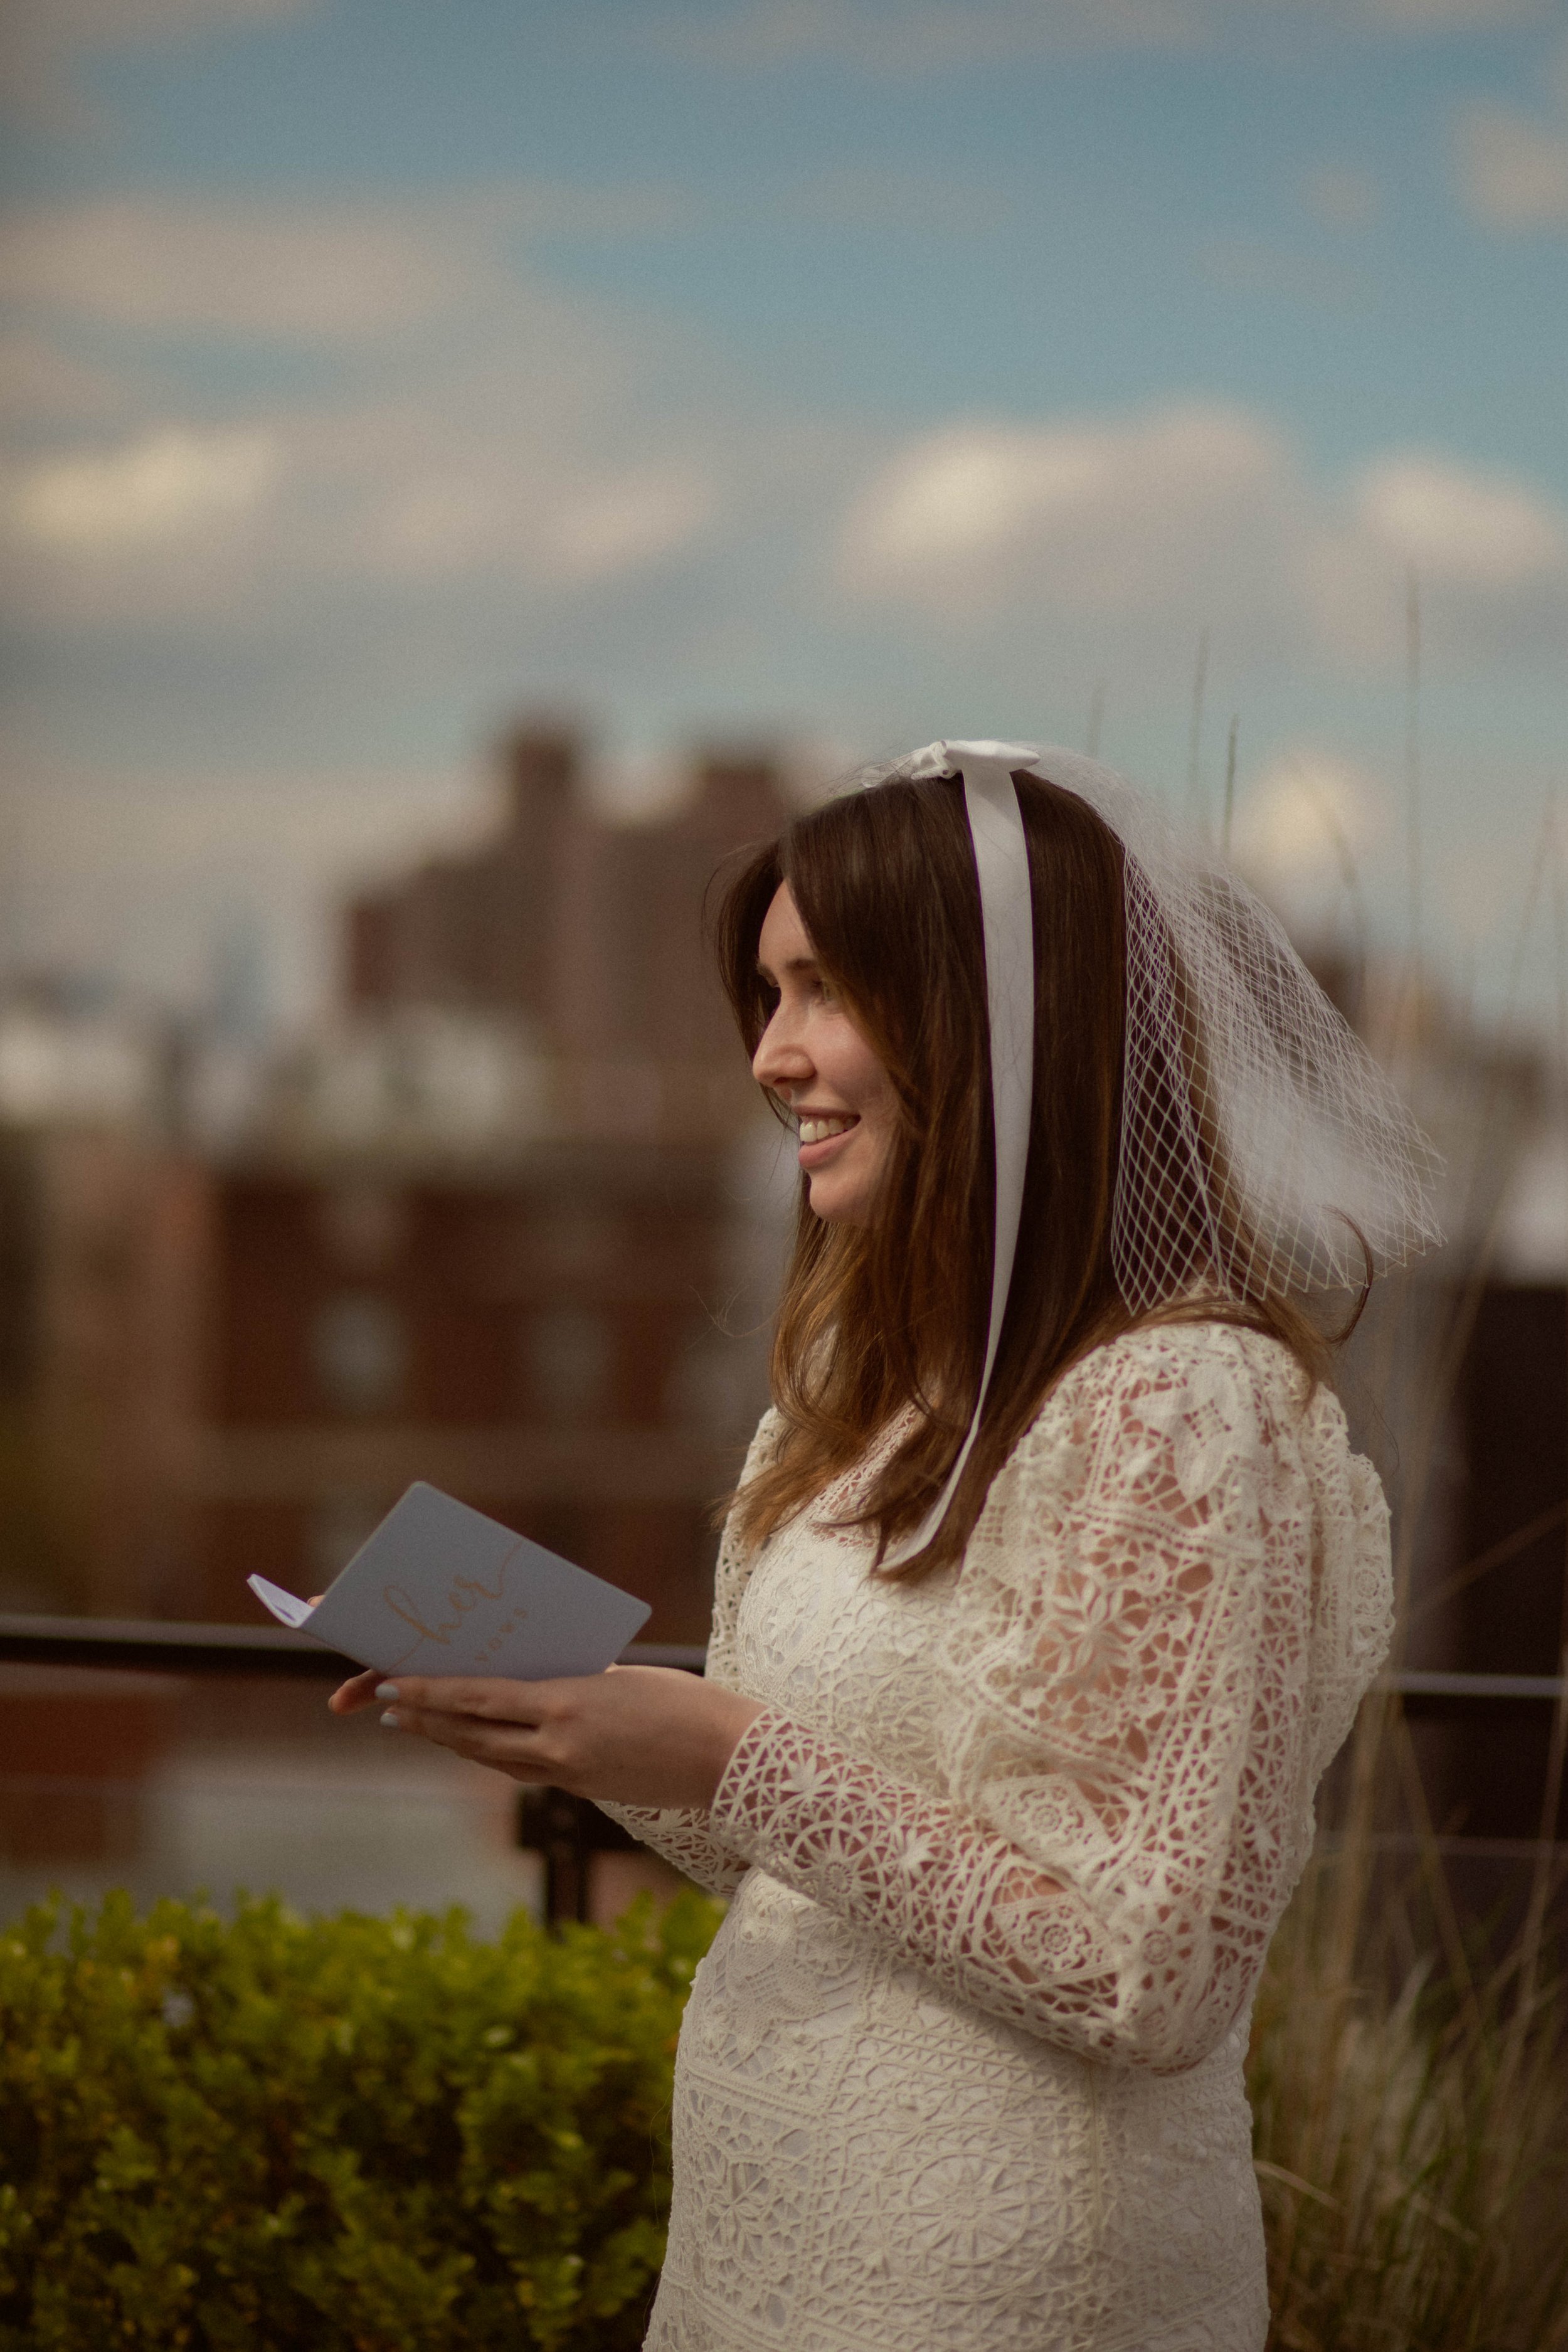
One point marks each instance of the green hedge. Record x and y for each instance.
(346, 2135)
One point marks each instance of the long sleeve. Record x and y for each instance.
(686, 1835)
(1126, 1752)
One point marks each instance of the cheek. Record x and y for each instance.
(879, 1105)
(861, 1078)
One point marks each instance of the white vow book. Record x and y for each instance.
(439, 1589)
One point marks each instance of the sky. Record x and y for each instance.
(837, 373)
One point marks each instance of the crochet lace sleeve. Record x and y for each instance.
(1126, 1805)
(686, 1836)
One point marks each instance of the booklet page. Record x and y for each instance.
(439, 1589)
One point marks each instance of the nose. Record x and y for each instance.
(781, 1060)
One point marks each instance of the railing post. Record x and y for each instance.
(549, 1823)
(566, 1832)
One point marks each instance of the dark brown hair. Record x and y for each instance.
(874, 1318)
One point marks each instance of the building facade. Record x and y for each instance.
(495, 1222)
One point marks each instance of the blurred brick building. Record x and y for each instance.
(477, 1226)
(532, 1336)
(588, 931)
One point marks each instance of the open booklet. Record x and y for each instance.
(439, 1589)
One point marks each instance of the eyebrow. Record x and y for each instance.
(792, 963)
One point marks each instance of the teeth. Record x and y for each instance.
(817, 1131)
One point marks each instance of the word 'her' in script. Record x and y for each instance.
(463, 1594)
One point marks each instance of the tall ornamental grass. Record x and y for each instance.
(1409, 2064)
(1410, 2099)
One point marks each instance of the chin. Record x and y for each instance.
(834, 1208)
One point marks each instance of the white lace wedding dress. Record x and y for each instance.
(963, 2072)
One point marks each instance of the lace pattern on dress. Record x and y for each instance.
(962, 2068)
(1136, 1665)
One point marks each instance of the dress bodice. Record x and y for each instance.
(1008, 1845)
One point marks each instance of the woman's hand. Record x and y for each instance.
(636, 1734)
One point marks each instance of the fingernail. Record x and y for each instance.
(390, 1720)
(386, 1690)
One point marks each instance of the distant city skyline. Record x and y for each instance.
(837, 372)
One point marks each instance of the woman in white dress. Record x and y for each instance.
(1050, 1587)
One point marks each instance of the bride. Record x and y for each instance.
(1049, 1589)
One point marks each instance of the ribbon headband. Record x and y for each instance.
(1326, 1175)
(1006, 915)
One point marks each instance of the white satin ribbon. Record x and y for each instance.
(1006, 915)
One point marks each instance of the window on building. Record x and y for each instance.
(339, 1524)
(570, 1359)
(363, 1227)
(360, 1350)
(708, 1387)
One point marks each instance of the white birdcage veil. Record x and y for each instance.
(1263, 1151)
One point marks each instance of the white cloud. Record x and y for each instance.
(38, 380)
(509, 512)
(44, 37)
(524, 436)
(1309, 821)
(115, 22)
(1195, 516)
(1514, 171)
(440, 523)
(902, 37)
(166, 486)
(629, 521)
(1472, 531)
(313, 273)
(1106, 519)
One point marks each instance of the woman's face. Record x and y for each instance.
(817, 1062)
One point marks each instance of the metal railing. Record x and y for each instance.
(564, 1831)
(154, 1645)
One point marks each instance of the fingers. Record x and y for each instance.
(645, 1735)
(359, 1692)
(519, 1729)
(515, 1749)
(485, 1697)
(460, 1697)
(450, 1694)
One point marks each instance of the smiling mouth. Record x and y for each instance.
(819, 1130)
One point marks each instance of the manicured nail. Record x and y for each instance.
(386, 1690)
(390, 1720)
